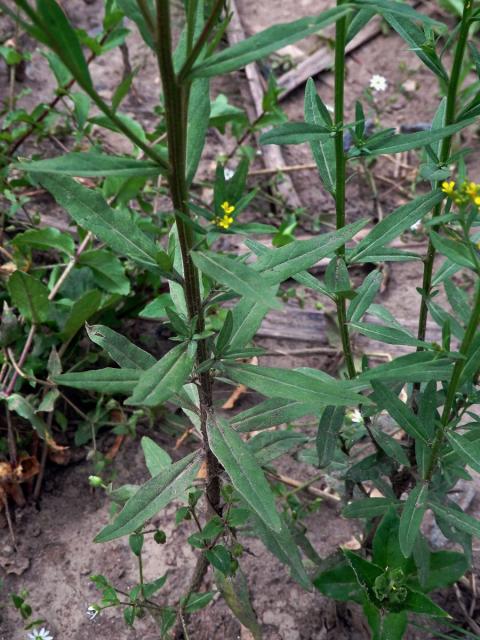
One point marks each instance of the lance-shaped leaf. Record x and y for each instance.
(327, 433)
(368, 507)
(156, 458)
(90, 164)
(198, 119)
(114, 227)
(264, 43)
(323, 149)
(269, 445)
(22, 407)
(107, 380)
(270, 413)
(81, 311)
(411, 518)
(414, 367)
(398, 410)
(238, 276)
(152, 497)
(294, 385)
(467, 449)
(457, 518)
(63, 39)
(131, 9)
(395, 223)
(280, 264)
(283, 546)
(247, 318)
(296, 133)
(234, 590)
(29, 295)
(166, 377)
(243, 470)
(407, 141)
(366, 293)
(119, 348)
(390, 335)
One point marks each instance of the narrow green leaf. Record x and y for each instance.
(106, 380)
(108, 271)
(92, 165)
(29, 295)
(198, 119)
(368, 508)
(296, 133)
(47, 238)
(165, 378)
(455, 251)
(132, 10)
(411, 518)
(156, 458)
(262, 44)
(390, 446)
(271, 413)
(420, 603)
(116, 228)
(414, 367)
(395, 223)
(63, 39)
(269, 445)
(244, 471)
(390, 335)
(239, 277)
(398, 410)
(152, 497)
(329, 426)
(294, 385)
(81, 311)
(407, 141)
(247, 318)
(22, 407)
(323, 149)
(366, 293)
(279, 264)
(457, 518)
(467, 449)
(119, 348)
(234, 590)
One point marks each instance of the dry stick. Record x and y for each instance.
(272, 154)
(318, 493)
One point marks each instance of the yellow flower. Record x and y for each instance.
(448, 188)
(477, 201)
(471, 189)
(224, 222)
(227, 208)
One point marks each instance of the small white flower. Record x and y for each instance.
(92, 612)
(356, 416)
(228, 173)
(40, 634)
(416, 225)
(378, 83)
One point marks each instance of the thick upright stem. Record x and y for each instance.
(468, 338)
(176, 106)
(443, 157)
(340, 159)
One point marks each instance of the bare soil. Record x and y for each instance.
(56, 554)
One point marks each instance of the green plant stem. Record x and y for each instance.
(340, 160)
(202, 39)
(443, 157)
(176, 107)
(468, 338)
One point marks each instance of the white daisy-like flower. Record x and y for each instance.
(40, 634)
(92, 612)
(228, 173)
(378, 83)
(356, 416)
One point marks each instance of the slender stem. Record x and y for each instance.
(445, 148)
(176, 107)
(454, 384)
(341, 161)
(202, 39)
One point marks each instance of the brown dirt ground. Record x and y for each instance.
(56, 553)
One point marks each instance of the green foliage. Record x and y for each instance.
(393, 434)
